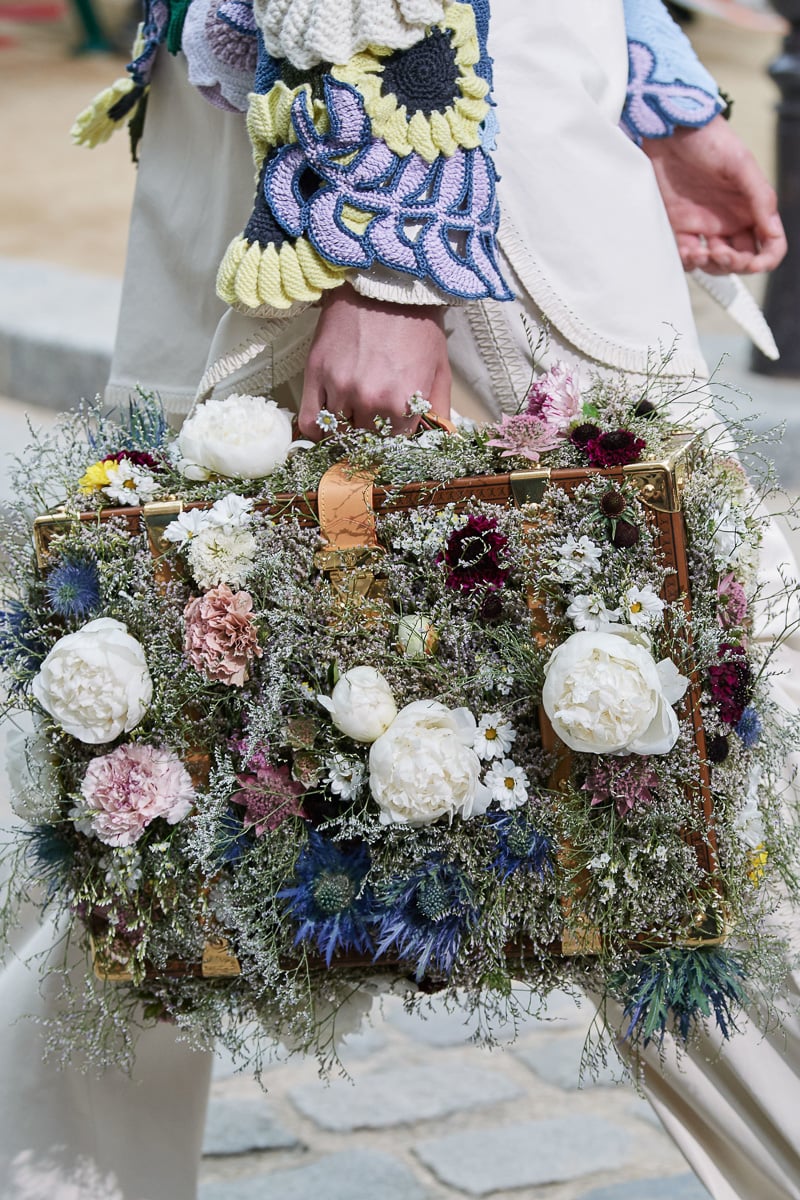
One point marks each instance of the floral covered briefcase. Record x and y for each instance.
(303, 720)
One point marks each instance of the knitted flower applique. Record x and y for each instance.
(426, 99)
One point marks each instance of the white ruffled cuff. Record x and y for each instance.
(392, 287)
(309, 32)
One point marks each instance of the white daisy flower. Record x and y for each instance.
(326, 421)
(345, 777)
(590, 612)
(231, 512)
(128, 485)
(494, 736)
(579, 559)
(508, 784)
(186, 526)
(642, 606)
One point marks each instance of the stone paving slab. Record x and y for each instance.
(677, 1187)
(240, 1126)
(351, 1175)
(402, 1096)
(532, 1153)
(557, 1059)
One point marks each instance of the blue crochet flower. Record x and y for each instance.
(330, 898)
(425, 916)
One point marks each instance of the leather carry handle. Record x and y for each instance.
(345, 507)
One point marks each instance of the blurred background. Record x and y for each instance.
(425, 1094)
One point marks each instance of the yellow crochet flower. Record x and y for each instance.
(96, 477)
(269, 118)
(260, 280)
(428, 98)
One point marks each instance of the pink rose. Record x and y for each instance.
(127, 789)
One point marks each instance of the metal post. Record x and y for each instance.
(782, 301)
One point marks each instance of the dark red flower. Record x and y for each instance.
(625, 535)
(645, 408)
(718, 749)
(137, 458)
(583, 434)
(615, 449)
(474, 556)
(731, 683)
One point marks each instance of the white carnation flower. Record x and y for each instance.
(494, 736)
(642, 606)
(605, 694)
(508, 784)
(590, 612)
(219, 555)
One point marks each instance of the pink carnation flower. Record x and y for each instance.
(133, 785)
(555, 398)
(731, 602)
(221, 636)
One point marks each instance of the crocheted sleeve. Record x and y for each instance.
(375, 170)
(668, 86)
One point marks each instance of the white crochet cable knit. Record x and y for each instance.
(308, 32)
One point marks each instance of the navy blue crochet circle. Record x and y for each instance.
(262, 226)
(425, 77)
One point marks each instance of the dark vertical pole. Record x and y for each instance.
(782, 302)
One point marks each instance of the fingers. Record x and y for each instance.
(693, 251)
(441, 390)
(311, 405)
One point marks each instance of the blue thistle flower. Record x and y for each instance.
(748, 728)
(520, 846)
(329, 899)
(232, 839)
(425, 916)
(50, 858)
(20, 643)
(73, 588)
(680, 986)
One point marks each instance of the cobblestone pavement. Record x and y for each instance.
(429, 1115)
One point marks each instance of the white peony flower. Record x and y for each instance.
(508, 784)
(423, 767)
(361, 705)
(579, 559)
(605, 694)
(242, 437)
(34, 791)
(494, 736)
(95, 683)
(590, 612)
(218, 555)
(642, 606)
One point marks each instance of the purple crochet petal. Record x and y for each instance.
(239, 14)
(281, 192)
(330, 237)
(385, 239)
(653, 109)
(373, 165)
(452, 274)
(349, 122)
